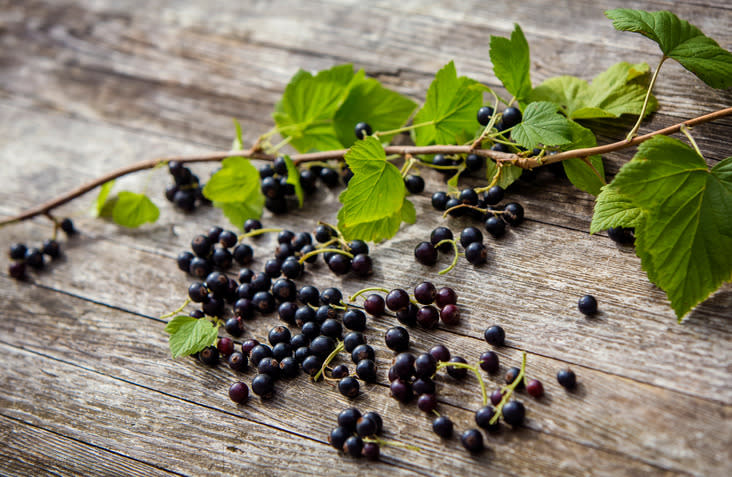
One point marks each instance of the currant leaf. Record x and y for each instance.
(509, 173)
(293, 177)
(542, 125)
(680, 40)
(100, 204)
(585, 177)
(189, 335)
(133, 209)
(613, 210)
(511, 62)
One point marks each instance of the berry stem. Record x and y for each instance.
(634, 131)
(474, 369)
(490, 124)
(390, 443)
(361, 292)
(509, 390)
(324, 250)
(403, 129)
(255, 232)
(177, 310)
(327, 361)
(454, 259)
(688, 135)
(460, 206)
(255, 153)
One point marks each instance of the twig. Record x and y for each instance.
(255, 153)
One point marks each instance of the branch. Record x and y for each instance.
(255, 153)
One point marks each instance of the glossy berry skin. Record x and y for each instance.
(338, 436)
(366, 427)
(183, 260)
(371, 451)
(414, 183)
(512, 375)
(397, 299)
(423, 386)
(34, 258)
(354, 319)
(470, 235)
(408, 316)
(457, 372)
(362, 130)
(495, 335)
(348, 418)
(439, 200)
(474, 162)
(286, 311)
(425, 293)
(374, 416)
(445, 296)
(489, 362)
(484, 115)
(362, 351)
(468, 197)
(425, 365)
(243, 254)
(496, 397)
(263, 386)
(450, 315)
(217, 283)
(227, 238)
(312, 364)
(340, 371)
(472, 440)
(454, 202)
(374, 305)
(476, 253)
(535, 388)
(427, 402)
(332, 328)
(273, 268)
(239, 392)
(264, 302)
(261, 282)
(483, 417)
(225, 346)
(279, 334)
(397, 339)
(209, 356)
(442, 426)
(403, 365)
(197, 292)
(288, 367)
(339, 264)
(321, 346)
(309, 295)
(513, 213)
(234, 326)
(349, 387)
(310, 329)
(237, 361)
(284, 290)
(428, 316)
(353, 446)
(323, 233)
(425, 253)
(362, 265)
(401, 390)
(440, 353)
(331, 296)
(513, 413)
(587, 305)
(438, 235)
(511, 117)
(214, 306)
(495, 226)
(252, 224)
(201, 245)
(258, 353)
(352, 340)
(494, 195)
(567, 378)
(248, 346)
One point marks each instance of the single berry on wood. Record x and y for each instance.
(567, 378)
(495, 335)
(587, 305)
(239, 392)
(472, 440)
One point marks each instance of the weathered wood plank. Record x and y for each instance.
(185, 379)
(32, 450)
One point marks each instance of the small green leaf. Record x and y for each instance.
(684, 233)
(680, 40)
(450, 106)
(306, 110)
(234, 182)
(293, 177)
(190, 335)
(133, 209)
(380, 108)
(541, 124)
(578, 171)
(619, 90)
(101, 201)
(509, 173)
(379, 229)
(511, 63)
(237, 143)
(613, 210)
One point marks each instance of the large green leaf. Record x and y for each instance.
(613, 210)
(684, 232)
(511, 62)
(133, 209)
(239, 212)
(189, 335)
(379, 229)
(542, 125)
(233, 182)
(380, 108)
(451, 106)
(680, 40)
(580, 173)
(306, 110)
(618, 90)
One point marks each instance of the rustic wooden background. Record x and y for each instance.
(87, 384)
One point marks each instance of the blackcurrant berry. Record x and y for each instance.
(496, 397)
(197, 292)
(310, 329)
(494, 335)
(248, 345)
(494, 195)
(264, 302)
(425, 365)
(340, 371)
(299, 340)
(16, 270)
(535, 388)
(301, 240)
(34, 258)
(325, 313)
(309, 295)
(234, 326)
(302, 353)
(513, 413)
(51, 248)
(217, 283)
(266, 171)
(439, 200)
(440, 353)
(425, 293)
(512, 375)
(238, 362)
(362, 265)
(68, 227)
(454, 202)
(403, 365)
(352, 340)
(243, 254)
(329, 177)
(408, 316)
(258, 353)
(292, 268)
(263, 386)
(366, 370)
(428, 316)
(484, 115)
(269, 366)
(414, 183)
(476, 253)
(450, 315)
(438, 235)
(332, 328)
(339, 264)
(353, 445)
(489, 362)
(183, 260)
(567, 378)
(397, 299)
(201, 245)
(425, 253)
(357, 247)
(587, 305)
(474, 162)
(513, 213)
(362, 130)
(397, 339)
(366, 427)
(228, 239)
(252, 224)
(427, 402)
(354, 319)
(495, 226)
(470, 235)
(321, 346)
(349, 387)
(331, 296)
(511, 117)
(468, 196)
(238, 392)
(442, 426)
(401, 390)
(312, 364)
(423, 386)
(284, 290)
(621, 235)
(209, 355)
(374, 305)
(362, 351)
(483, 418)
(472, 440)
(457, 372)
(371, 451)
(338, 436)
(279, 334)
(348, 418)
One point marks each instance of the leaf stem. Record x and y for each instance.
(403, 129)
(634, 131)
(688, 135)
(390, 443)
(474, 369)
(463, 206)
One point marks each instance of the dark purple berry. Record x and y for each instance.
(428, 316)
(442, 426)
(401, 390)
(484, 115)
(263, 386)
(425, 253)
(425, 293)
(414, 183)
(438, 235)
(440, 353)
(397, 339)
(535, 388)
(362, 130)
(374, 305)
(238, 392)
(513, 413)
(427, 402)
(489, 362)
(483, 418)
(476, 253)
(209, 355)
(450, 315)
(408, 316)
(567, 378)
(354, 319)
(472, 440)
(349, 387)
(362, 265)
(513, 213)
(397, 299)
(495, 335)
(495, 226)
(455, 371)
(445, 296)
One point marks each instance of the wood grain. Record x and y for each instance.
(87, 384)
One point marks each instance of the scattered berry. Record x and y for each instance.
(567, 378)
(587, 305)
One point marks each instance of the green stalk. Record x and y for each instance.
(633, 131)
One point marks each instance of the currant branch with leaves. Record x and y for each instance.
(680, 208)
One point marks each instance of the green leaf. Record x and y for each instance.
(509, 173)
(578, 171)
(613, 210)
(293, 177)
(370, 102)
(307, 107)
(450, 106)
(101, 202)
(541, 124)
(234, 182)
(375, 200)
(684, 234)
(680, 40)
(190, 335)
(618, 90)
(511, 62)
(133, 209)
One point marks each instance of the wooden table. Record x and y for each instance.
(87, 382)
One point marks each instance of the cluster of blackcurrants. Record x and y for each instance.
(186, 191)
(23, 256)
(442, 240)
(339, 263)
(352, 429)
(484, 208)
(427, 315)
